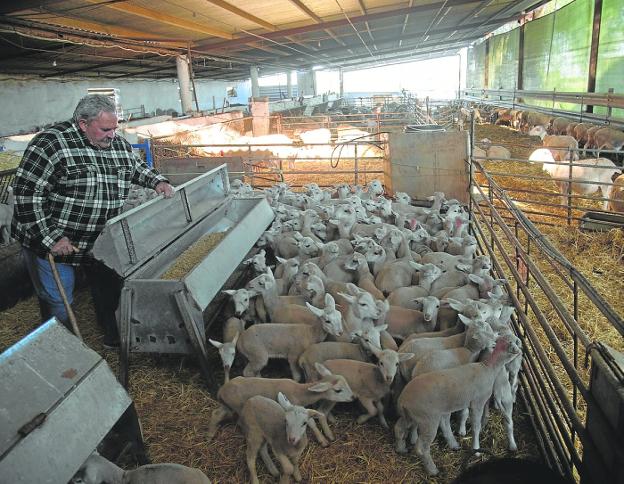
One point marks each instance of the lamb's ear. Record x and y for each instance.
(229, 292)
(381, 327)
(334, 221)
(316, 311)
(322, 369)
(466, 320)
(456, 305)
(463, 267)
(281, 260)
(405, 356)
(215, 343)
(320, 387)
(329, 301)
(416, 265)
(353, 289)
(476, 279)
(235, 339)
(348, 297)
(315, 413)
(262, 253)
(283, 401)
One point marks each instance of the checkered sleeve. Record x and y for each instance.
(33, 181)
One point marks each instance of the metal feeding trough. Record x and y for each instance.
(600, 222)
(58, 400)
(166, 316)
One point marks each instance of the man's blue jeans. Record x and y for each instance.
(45, 286)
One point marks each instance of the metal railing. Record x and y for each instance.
(518, 100)
(349, 161)
(552, 300)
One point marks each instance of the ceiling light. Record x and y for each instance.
(54, 63)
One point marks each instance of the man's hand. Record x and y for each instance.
(63, 247)
(164, 188)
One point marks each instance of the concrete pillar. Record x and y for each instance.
(255, 87)
(341, 82)
(289, 92)
(306, 83)
(184, 84)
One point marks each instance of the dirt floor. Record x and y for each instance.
(174, 407)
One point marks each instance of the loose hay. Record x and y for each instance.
(193, 255)
(174, 407)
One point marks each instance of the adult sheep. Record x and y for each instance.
(594, 174)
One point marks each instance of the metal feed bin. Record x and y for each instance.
(422, 162)
(166, 316)
(58, 400)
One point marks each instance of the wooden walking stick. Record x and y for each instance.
(59, 285)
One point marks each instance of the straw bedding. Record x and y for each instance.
(174, 407)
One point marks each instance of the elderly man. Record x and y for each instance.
(73, 178)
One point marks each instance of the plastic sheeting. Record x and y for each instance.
(556, 54)
(475, 67)
(503, 62)
(610, 66)
(556, 51)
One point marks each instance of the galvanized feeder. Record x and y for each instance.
(166, 316)
(58, 400)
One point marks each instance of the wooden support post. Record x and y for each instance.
(593, 53)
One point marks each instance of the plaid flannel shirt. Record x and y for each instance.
(67, 187)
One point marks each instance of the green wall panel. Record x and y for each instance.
(610, 66)
(475, 67)
(503, 62)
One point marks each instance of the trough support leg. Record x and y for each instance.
(129, 428)
(125, 309)
(196, 338)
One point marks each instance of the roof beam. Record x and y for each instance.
(21, 5)
(241, 13)
(110, 30)
(332, 23)
(167, 19)
(393, 38)
(301, 6)
(368, 29)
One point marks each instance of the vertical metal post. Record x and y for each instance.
(593, 51)
(569, 193)
(486, 65)
(192, 75)
(526, 283)
(471, 169)
(609, 100)
(520, 80)
(356, 177)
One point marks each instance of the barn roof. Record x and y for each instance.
(140, 38)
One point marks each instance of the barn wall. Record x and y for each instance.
(35, 103)
(475, 66)
(503, 65)
(556, 53)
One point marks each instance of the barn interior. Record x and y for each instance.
(259, 114)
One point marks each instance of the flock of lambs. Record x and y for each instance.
(564, 142)
(371, 299)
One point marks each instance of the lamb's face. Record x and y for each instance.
(332, 321)
(388, 364)
(296, 423)
(339, 390)
(376, 254)
(366, 307)
(241, 298)
(307, 246)
(227, 353)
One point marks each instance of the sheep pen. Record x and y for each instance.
(174, 407)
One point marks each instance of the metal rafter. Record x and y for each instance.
(167, 19)
(111, 30)
(330, 24)
(368, 29)
(301, 6)
(391, 39)
(8, 7)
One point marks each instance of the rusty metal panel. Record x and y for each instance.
(58, 399)
(425, 162)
